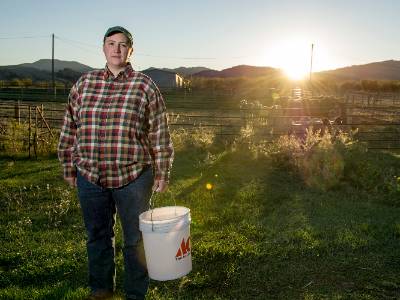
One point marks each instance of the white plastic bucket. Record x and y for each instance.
(166, 239)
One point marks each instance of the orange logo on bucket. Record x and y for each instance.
(183, 250)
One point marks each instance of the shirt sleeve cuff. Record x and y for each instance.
(69, 172)
(162, 176)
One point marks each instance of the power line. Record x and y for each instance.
(77, 42)
(79, 45)
(82, 45)
(25, 37)
(138, 54)
(176, 57)
(73, 44)
(157, 56)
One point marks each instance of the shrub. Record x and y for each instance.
(16, 137)
(324, 159)
(322, 165)
(318, 157)
(373, 172)
(284, 152)
(199, 138)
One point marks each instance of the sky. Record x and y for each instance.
(217, 34)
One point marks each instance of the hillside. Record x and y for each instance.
(183, 71)
(41, 70)
(240, 71)
(10, 73)
(187, 71)
(71, 70)
(384, 70)
(45, 65)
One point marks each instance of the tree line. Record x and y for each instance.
(236, 85)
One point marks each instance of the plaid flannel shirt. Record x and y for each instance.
(114, 127)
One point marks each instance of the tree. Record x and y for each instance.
(370, 85)
(350, 86)
(26, 82)
(15, 82)
(390, 86)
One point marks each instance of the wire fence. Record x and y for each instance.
(375, 117)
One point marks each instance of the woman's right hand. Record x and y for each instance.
(71, 181)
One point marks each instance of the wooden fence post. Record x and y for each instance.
(17, 112)
(42, 115)
(29, 131)
(35, 139)
(349, 111)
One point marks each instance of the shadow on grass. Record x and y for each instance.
(261, 233)
(44, 170)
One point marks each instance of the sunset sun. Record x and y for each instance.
(293, 57)
(295, 71)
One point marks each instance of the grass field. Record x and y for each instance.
(259, 233)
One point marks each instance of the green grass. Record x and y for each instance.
(260, 233)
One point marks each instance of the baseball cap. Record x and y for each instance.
(119, 29)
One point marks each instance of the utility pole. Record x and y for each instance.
(312, 49)
(52, 67)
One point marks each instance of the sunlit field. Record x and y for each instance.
(316, 219)
(312, 215)
(285, 123)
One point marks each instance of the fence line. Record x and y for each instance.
(39, 130)
(371, 117)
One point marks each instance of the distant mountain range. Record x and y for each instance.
(184, 71)
(71, 70)
(41, 70)
(241, 71)
(384, 70)
(237, 71)
(45, 65)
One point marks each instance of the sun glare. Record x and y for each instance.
(293, 57)
(295, 72)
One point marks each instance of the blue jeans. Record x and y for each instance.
(99, 206)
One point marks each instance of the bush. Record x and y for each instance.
(318, 157)
(16, 137)
(322, 165)
(373, 172)
(325, 159)
(16, 140)
(199, 138)
(284, 151)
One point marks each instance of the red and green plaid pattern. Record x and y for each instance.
(113, 127)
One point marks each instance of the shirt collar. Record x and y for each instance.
(125, 74)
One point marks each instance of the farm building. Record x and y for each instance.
(165, 79)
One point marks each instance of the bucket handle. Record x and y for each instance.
(152, 207)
